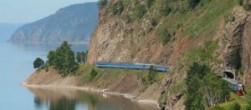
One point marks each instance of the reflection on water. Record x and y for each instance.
(62, 104)
(77, 100)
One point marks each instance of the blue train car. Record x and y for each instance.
(233, 84)
(136, 66)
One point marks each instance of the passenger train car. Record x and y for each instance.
(135, 66)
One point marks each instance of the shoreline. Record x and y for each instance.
(95, 90)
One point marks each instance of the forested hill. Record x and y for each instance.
(74, 24)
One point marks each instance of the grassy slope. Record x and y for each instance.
(208, 18)
(244, 101)
(202, 21)
(203, 24)
(113, 78)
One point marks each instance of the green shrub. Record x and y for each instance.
(102, 3)
(241, 2)
(63, 59)
(140, 11)
(154, 22)
(118, 8)
(204, 88)
(152, 75)
(204, 53)
(92, 74)
(235, 106)
(217, 108)
(38, 63)
(149, 3)
(193, 3)
(81, 57)
(164, 7)
(163, 34)
(165, 11)
(137, 11)
(144, 80)
(248, 107)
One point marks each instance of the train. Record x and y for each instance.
(229, 76)
(134, 66)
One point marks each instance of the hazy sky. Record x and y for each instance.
(22, 11)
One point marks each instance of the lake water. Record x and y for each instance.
(16, 66)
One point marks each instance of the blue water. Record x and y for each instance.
(16, 66)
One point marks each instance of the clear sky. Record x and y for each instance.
(23, 11)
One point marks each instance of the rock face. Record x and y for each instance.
(246, 52)
(247, 2)
(73, 24)
(116, 41)
(119, 40)
(236, 43)
(233, 37)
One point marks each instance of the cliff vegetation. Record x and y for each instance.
(179, 34)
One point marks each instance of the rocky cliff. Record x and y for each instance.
(236, 43)
(167, 32)
(118, 40)
(73, 24)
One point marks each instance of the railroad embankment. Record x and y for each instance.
(132, 84)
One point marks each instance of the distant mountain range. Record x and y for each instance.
(7, 29)
(74, 24)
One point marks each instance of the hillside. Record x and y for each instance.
(136, 32)
(74, 24)
(121, 82)
(176, 33)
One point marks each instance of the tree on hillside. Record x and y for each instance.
(193, 3)
(78, 57)
(248, 107)
(139, 11)
(164, 35)
(235, 106)
(63, 59)
(52, 58)
(102, 3)
(118, 8)
(92, 74)
(152, 74)
(38, 63)
(164, 7)
(149, 3)
(81, 57)
(204, 89)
